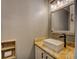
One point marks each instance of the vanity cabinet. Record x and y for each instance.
(40, 54)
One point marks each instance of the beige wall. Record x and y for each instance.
(8, 16)
(24, 20)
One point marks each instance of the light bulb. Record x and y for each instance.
(67, 0)
(52, 6)
(58, 2)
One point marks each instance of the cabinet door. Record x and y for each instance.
(48, 56)
(39, 54)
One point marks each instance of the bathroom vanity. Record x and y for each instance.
(43, 52)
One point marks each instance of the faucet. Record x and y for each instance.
(64, 36)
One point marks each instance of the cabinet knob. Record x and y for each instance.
(42, 55)
(46, 57)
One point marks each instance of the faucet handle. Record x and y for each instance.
(62, 35)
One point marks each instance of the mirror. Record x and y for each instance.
(61, 20)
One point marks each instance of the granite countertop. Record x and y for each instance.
(68, 51)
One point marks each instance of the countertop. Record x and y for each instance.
(64, 54)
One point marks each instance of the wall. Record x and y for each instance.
(8, 16)
(24, 20)
(72, 18)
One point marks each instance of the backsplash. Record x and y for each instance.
(70, 38)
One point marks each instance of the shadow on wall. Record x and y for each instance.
(32, 53)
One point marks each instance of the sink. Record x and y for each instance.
(54, 44)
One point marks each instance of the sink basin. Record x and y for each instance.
(54, 44)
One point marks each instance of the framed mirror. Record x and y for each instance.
(60, 20)
(63, 21)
